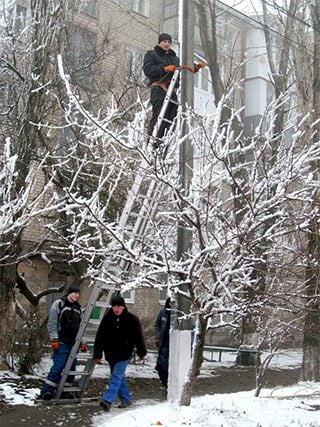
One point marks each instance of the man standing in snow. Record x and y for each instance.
(118, 333)
(161, 337)
(63, 325)
(159, 65)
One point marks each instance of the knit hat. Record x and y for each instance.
(71, 289)
(118, 300)
(164, 36)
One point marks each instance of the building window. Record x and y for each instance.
(163, 295)
(197, 80)
(197, 36)
(171, 19)
(202, 81)
(170, 8)
(140, 6)
(270, 92)
(171, 26)
(220, 28)
(82, 55)
(21, 17)
(17, 17)
(88, 7)
(134, 64)
(205, 80)
(4, 99)
(128, 297)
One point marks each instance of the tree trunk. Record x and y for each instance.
(248, 343)
(196, 362)
(311, 339)
(311, 362)
(8, 276)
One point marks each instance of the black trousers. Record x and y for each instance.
(162, 366)
(156, 98)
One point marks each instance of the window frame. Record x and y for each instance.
(142, 7)
(83, 41)
(90, 9)
(134, 66)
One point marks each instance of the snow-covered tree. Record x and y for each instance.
(297, 67)
(249, 201)
(218, 273)
(288, 39)
(311, 342)
(32, 126)
(26, 71)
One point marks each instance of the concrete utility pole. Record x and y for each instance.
(180, 336)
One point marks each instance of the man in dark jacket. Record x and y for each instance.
(63, 325)
(118, 333)
(159, 65)
(161, 337)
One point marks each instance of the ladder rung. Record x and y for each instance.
(78, 373)
(151, 197)
(70, 401)
(92, 328)
(166, 120)
(136, 215)
(106, 286)
(84, 356)
(102, 304)
(72, 389)
(89, 337)
(94, 321)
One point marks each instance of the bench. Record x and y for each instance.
(211, 349)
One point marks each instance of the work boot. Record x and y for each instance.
(105, 405)
(124, 404)
(46, 396)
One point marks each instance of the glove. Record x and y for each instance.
(157, 341)
(169, 68)
(198, 66)
(83, 348)
(97, 361)
(54, 345)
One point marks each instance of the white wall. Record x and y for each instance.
(257, 73)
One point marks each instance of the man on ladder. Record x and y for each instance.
(159, 65)
(162, 67)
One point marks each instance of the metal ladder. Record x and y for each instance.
(139, 222)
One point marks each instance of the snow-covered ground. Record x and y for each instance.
(281, 406)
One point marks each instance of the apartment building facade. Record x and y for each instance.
(123, 30)
(117, 33)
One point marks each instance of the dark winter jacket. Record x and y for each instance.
(162, 326)
(155, 60)
(64, 321)
(117, 336)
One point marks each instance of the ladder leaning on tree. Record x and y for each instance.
(139, 208)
